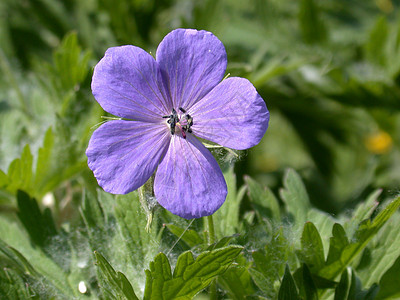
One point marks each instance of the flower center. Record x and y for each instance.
(181, 122)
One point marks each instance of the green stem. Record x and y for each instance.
(211, 240)
(211, 231)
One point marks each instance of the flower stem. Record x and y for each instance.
(211, 240)
(211, 231)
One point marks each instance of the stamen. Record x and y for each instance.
(183, 122)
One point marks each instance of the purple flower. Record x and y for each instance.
(168, 101)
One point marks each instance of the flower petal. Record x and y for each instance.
(127, 82)
(233, 115)
(124, 154)
(194, 62)
(189, 182)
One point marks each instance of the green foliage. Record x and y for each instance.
(389, 286)
(40, 226)
(263, 200)
(312, 28)
(365, 232)
(115, 227)
(190, 276)
(227, 217)
(113, 284)
(70, 63)
(295, 197)
(288, 288)
(312, 251)
(189, 236)
(237, 280)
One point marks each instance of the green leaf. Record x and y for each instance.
(268, 263)
(226, 218)
(262, 282)
(59, 159)
(312, 28)
(189, 236)
(308, 288)
(95, 220)
(40, 226)
(363, 235)
(30, 264)
(369, 294)
(71, 65)
(389, 283)
(190, 276)
(236, 280)
(92, 213)
(295, 196)
(376, 45)
(16, 259)
(323, 222)
(381, 252)
(312, 251)
(338, 242)
(363, 211)
(342, 289)
(263, 200)
(43, 164)
(222, 242)
(132, 221)
(276, 67)
(288, 290)
(20, 172)
(352, 290)
(14, 286)
(114, 285)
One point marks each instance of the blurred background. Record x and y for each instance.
(329, 72)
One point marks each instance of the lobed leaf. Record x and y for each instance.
(312, 251)
(190, 275)
(13, 286)
(295, 196)
(132, 220)
(389, 287)
(380, 253)
(342, 289)
(226, 218)
(20, 172)
(338, 242)
(39, 225)
(236, 280)
(374, 48)
(288, 289)
(363, 235)
(269, 265)
(114, 285)
(363, 211)
(263, 200)
(307, 287)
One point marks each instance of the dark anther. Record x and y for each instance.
(173, 119)
(188, 118)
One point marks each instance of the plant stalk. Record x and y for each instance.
(211, 240)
